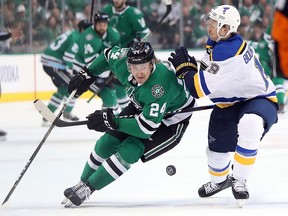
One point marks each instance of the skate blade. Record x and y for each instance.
(64, 201)
(240, 203)
(5, 205)
(68, 204)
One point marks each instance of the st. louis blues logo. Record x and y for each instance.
(157, 91)
(225, 9)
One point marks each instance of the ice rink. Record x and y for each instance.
(145, 189)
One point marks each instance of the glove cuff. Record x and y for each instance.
(186, 64)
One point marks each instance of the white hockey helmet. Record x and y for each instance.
(226, 15)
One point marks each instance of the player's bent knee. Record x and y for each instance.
(250, 128)
(107, 145)
(131, 150)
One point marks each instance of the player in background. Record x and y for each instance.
(280, 37)
(128, 20)
(154, 90)
(4, 35)
(73, 48)
(265, 49)
(130, 23)
(92, 42)
(54, 63)
(245, 101)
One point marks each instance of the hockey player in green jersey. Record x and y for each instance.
(128, 20)
(91, 43)
(265, 49)
(73, 48)
(55, 63)
(154, 90)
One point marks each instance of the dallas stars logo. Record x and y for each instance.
(157, 91)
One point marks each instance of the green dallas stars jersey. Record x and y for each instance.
(54, 53)
(90, 45)
(263, 49)
(161, 93)
(71, 50)
(130, 23)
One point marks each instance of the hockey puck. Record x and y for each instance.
(171, 170)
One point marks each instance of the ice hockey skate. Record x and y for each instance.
(211, 188)
(240, 191)
(69, 116)
(3, 135)
(76, 194)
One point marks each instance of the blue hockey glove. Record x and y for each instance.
(183, 62)
(81, 82)
(101, 120)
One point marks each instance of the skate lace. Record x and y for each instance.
(83, 192)
(210, 187)
(239, 185)
(75, 187)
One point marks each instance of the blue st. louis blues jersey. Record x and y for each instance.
(230, 73)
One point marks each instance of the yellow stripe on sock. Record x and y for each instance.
(243, 160)
(219, 173)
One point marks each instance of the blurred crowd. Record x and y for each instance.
(35, 23)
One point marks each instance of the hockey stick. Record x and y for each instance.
(51, 117)
(92, 11)
(38, 148)
(97, 90)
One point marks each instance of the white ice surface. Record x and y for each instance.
(145, 189)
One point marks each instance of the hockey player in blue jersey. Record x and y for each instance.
(245, 101)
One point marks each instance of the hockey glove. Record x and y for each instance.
(101, 120)
(4, 35)
(81, 82)
(183, 62)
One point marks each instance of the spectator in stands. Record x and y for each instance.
(188, 26)
(251, 10)
(257, 34)
(38, 13)
(199, 34)
(149, 9)
(8, 12)
(170, 25)
(86, 14)
(75, 6)
(52, 29)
